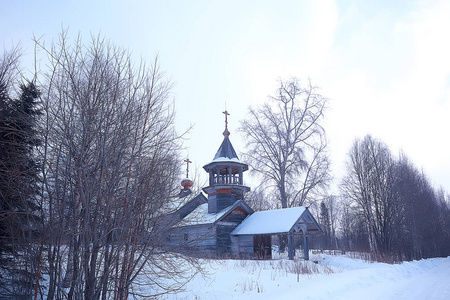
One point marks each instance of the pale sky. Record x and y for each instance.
(384, 65)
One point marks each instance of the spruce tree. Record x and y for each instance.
(325, 224)
(5, 116)
(18, 187)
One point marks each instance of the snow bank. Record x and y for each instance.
(339, 277)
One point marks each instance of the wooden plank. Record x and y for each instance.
(290, 246)
(246, 246)
(193, 236)
(236, 216)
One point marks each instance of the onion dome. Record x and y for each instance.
(186, 183)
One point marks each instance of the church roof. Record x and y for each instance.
(226, 153)
(226, 150)
(276, 221)
(175, 203)
(200, 215)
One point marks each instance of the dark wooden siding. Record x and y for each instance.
(219, 201)
(224, 229)
(224, 240)
(213, 239)
(236, 216)
(244, 246)
(197, 238)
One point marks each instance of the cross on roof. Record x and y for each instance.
(187, 161)
(226, 119)
(226, 132)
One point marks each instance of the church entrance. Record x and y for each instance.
(262, 246)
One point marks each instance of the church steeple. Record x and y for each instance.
(226, 183)
(226, 150)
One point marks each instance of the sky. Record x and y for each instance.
(383, 65)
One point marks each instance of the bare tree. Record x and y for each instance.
(402, 213)
(346, 223)
(110, 162)
(9, 67)
(286, 143)
(421, 230)
(258, 199)
(369, 183)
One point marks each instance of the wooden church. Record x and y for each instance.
(222, 224)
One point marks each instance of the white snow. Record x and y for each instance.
(339, 277)
(225, 159)
(270, 221)
(200, 215)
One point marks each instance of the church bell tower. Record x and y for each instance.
(226, 184)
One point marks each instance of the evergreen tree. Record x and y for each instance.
(326, 224)
(5, 115)
(18, 187)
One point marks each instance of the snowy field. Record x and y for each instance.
(334, 277)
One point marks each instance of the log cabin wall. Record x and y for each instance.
(194, 239)
(219, 201)
(242, 246)
(224, 229)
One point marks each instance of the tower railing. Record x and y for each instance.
(227, 179)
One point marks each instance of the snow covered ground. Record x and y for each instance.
(334, 277)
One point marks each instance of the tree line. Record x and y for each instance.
(89, 157)
(385, 205)
(390, 208)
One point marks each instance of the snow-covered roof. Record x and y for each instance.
(225, 153)
(176, 203)
(226, 149)
(200, 216)
(270, 221)
(225, 159)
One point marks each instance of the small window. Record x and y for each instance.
(186, 237)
